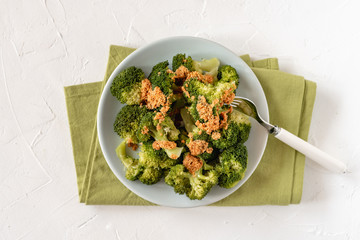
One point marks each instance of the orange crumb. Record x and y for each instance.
(205, 110)
(131, 144)
(215, 135)
(145, 130)
(209, 150)
(197, 147)
(192, 163)
(228, 96)
(173, 156)
(181, 72)
(163, 144)
(145, 88)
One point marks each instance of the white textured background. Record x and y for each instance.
(48, 44)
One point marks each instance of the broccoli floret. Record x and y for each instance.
(181, 59)
(132, 166)
(196, 88)
(161, 77)
(197, 134)
(220, 89)
(150, 176)
(232, 165)
(147, 168)
(194, 186)
(228, 74)
(126, 86)
(127, 122)
(166, 132)
(229, 136)
(150, 157)
(178, 177)
(243, 123)
(207, 66)
(237, 131)
(148, 128)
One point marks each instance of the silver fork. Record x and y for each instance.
(249, 108)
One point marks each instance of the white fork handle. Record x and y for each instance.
(311, 151)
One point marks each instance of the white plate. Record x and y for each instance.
(145, 58)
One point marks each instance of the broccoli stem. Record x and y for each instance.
(188, 121)
(161, 136)
(121, 153)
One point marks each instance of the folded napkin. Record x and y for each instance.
(278, 179)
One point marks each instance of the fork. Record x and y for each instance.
(249, 108)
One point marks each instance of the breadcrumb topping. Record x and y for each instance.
(181, 72)
(145, 130)
(207, 78)
(215, 135)
(228, 96)
(192, 163)
(197, 147)
(157, 145)
(205, 110)
(131, 144)
(145, 88)
(224, 118)
(173, 156)
(155, 98)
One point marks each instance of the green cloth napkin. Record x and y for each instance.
(278, 179)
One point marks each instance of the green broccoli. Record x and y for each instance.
(155, 158)
(132, 166)
(126, 86)
(237, 131)
(188, 120)
(243, 123)
(167, 132)
(228, 74)
(145, 169)
(229, 136)
(232, 165)
(196, 88)
(197, 134)
(150, 176)
(127, 122)
(207, 66)
(162, 78)
(194, 186)
(181, 59)
(178, 177)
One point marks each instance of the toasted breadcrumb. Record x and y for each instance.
(145, 130)
(192, 163)
(185, 92)
(209, 150)
(155, 98)
(228, 96)
(207, 78)
(173, 156)
(197, 147)
(163, 144)
(215, 135)
(205, 110)
(131, 144)
(181, 72)
(145, 88)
